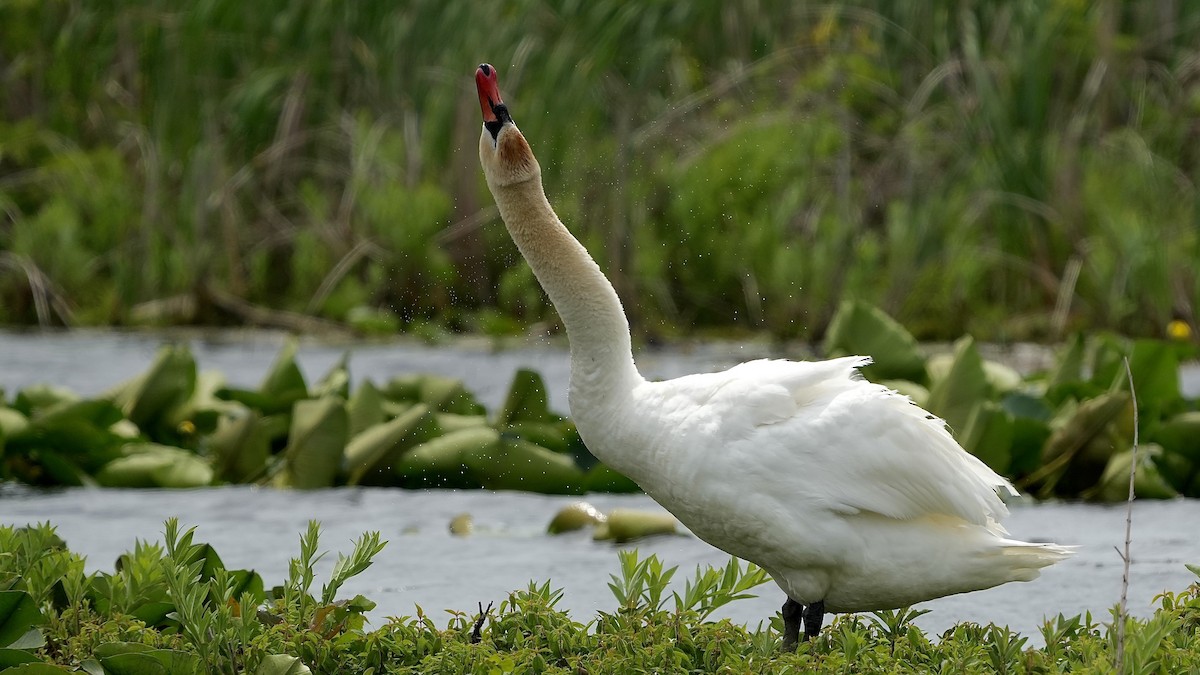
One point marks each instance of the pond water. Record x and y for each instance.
(425, 565)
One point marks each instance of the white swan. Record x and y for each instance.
(847, 493)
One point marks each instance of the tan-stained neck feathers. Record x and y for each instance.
(602, 368)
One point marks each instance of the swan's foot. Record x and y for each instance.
(792, 612)
(814, 614)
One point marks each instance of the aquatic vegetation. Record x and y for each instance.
(174, 608)
(1066, 432)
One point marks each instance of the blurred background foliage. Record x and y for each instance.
(1016, 170)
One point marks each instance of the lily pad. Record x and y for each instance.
(859, 328)
(954, 396)
(381, 444)
(1148, 482)
(316, 443)
(1180, 435)
(514, 464)
(365, 408)
(153, 465)
(526, 400)
(624, 525)
(441, 461)
(239, 447)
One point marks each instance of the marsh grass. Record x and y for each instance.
(740, 166)
(175, 606)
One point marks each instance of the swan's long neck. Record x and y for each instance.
(602, 368)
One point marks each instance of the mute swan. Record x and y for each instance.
(848, 494)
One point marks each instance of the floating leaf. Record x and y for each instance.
(336, 382)
(954, 396)
(316, 443)
(989, 434)
(168, 383)
(1148, 483)
(514, 464)
(625, 525)
(153, 465)
(381, 444)
(1084, 437)
(526, 400)
(440, 462)
(603, 478)
(32, 400)
(859, 328)
(1154, 365)
(1068, 367)
(12, 422)
(575, 516)
(281, 388)
(1180, 435)
(550, 436)
(239, 447)
(365, 408)
(448, 422)
(914, 391)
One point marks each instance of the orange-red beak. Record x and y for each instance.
(489, 92)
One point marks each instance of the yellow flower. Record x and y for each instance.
(187, 428)
(1179, 330)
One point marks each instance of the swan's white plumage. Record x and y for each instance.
(844, 491)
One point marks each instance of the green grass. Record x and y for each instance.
(174, 607)
(967, 166)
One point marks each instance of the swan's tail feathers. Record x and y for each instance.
(1024, 559)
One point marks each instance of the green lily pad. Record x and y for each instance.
(514, 464)
(1148, 482)
(239, 447)
(153, 465)
(365, 408)
(526, 400)
(603, 478)
(1155, 368)
(381, 444)
(859, 328)
(955, 395)
(284, 383)
(440, 462)
(32, 400)
(168, 383)
(448, 422)
(316, 443)
(1180, 435)
(12, 422)
(336, 382)
(989, 435)
(914, 391)
(624, 525)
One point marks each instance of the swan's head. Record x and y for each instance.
(503, 151)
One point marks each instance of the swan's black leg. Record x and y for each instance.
(792, 612)
(814, 614)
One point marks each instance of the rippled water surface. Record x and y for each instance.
(423, 564)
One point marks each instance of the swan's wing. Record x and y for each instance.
(853, 445)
